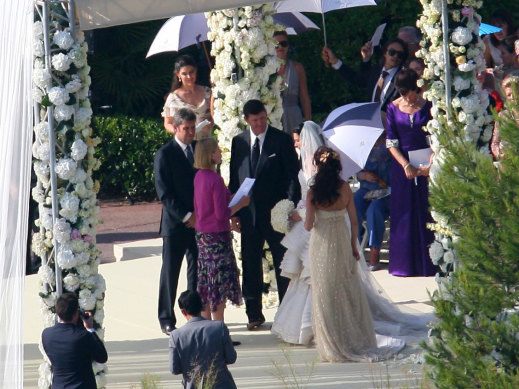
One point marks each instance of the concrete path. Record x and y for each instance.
(136, 345)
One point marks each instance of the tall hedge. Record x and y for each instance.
(126, 153)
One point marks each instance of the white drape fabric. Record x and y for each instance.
(15, 170)
(102, 13)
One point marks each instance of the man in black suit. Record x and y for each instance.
(376, 80)
(268, 155)
(72, 347)
(174, 175)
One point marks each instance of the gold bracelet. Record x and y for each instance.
(406, 166)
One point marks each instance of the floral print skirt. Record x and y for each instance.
(218, 277)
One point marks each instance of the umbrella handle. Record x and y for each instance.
(326, 64)
(324, 30)
(207, 57)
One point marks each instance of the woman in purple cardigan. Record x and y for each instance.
(217, 271)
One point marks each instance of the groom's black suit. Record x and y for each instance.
(276, 179)
(174, 177)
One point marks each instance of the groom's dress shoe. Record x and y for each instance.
(167, 329)
(254, 324)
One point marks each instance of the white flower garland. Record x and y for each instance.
(65, 88)
(469, 101)
(245, 68)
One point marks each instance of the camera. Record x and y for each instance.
(83, 314)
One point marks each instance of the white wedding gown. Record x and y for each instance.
(293, 320)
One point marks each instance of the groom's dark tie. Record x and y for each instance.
(254, 157)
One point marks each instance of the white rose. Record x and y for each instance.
(62, 230)
(41, 77)
(66, 168)
(63, 112)
(46, 273)
(61, 62)
(58, 96)
(71, 282)
(63, 40)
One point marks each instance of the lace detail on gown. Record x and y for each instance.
(342, 322)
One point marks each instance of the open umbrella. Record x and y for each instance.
(186, 30)
(320, 6)
(352, 130)
(485, 29)
(295, 22)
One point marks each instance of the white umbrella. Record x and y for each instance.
(179, 32)
(352, 130)
(320, 6)
(186, 30)
(295, 22)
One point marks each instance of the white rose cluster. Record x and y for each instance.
(66, 80)
(469, 101)
(250, 42)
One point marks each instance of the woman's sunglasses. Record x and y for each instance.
(282, 44)
(393, 52)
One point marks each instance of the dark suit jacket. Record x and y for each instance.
(174, 177)
(71, 350)
(276, 173)
(367, 79)
(200, 346)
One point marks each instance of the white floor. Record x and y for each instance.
(136, 345)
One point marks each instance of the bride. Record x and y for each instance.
(293, 320)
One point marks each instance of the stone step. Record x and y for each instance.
(137, 249)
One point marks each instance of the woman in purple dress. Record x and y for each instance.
(217, 271)
(409, 235)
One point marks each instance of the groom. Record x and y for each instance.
(268, 155)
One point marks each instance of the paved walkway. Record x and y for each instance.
(136, 345)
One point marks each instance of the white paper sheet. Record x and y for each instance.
(202, 125)
(375, 39)
(243, 190)
(420, 157)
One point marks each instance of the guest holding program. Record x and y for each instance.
(218, 276)
(377, 80)
(409, 235)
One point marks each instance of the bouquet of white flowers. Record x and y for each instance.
(279, 216)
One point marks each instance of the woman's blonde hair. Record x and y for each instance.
(203, 150)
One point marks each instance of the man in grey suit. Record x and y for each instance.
(201, 349)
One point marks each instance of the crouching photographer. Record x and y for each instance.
(72, 345)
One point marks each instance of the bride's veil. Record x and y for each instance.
(311, 139)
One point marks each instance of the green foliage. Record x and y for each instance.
(475, 343)
(126, 154)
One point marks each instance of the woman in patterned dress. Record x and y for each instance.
(217, 271)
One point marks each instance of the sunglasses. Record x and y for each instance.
(393, 52)
(282, 44)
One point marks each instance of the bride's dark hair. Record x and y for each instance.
(327, 181)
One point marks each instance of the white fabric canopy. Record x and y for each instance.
(102, 13)
(15, 171)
